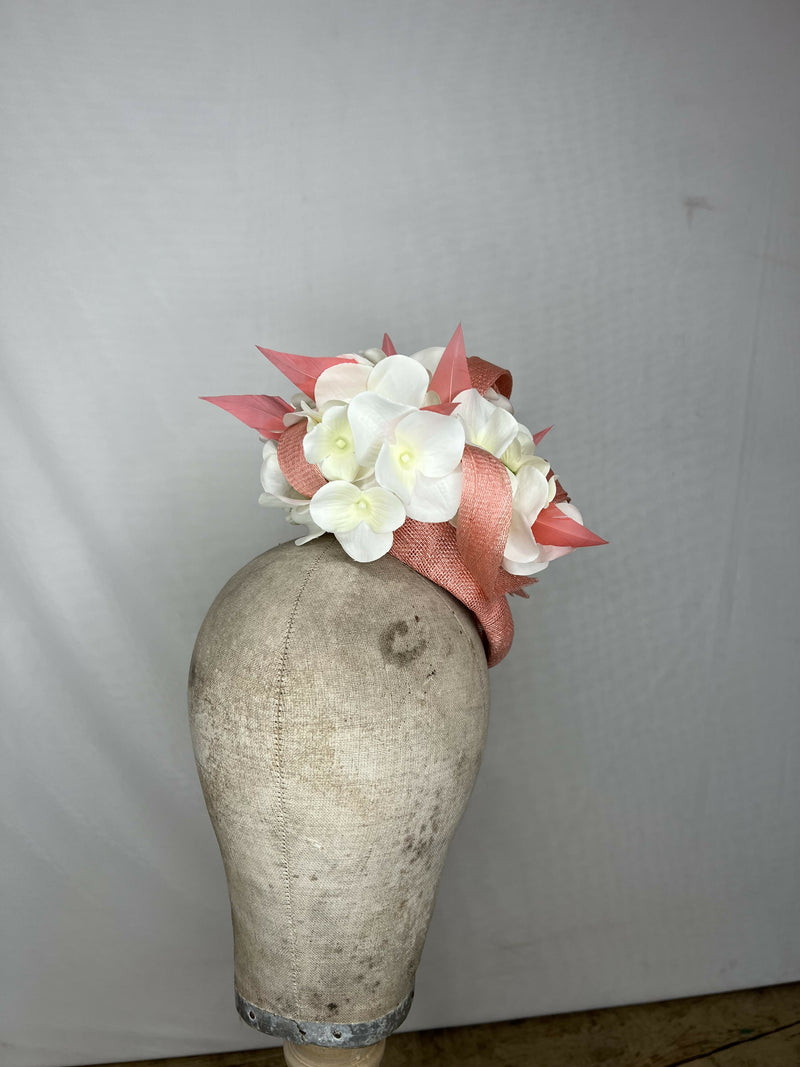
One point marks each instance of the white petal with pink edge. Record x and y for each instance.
(341, 383)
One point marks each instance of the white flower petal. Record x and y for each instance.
(300, 516)
(429, 358)
(523, 568)
(341, 383)
(333, 507)
(486, 426)
(313, 532)
(548, 553)
(393, 474)
(372, 419)
(570, 511)
(316, 444)
(371, 356)
(340, 468)
(540, 463)
(531, 493)
(330, 445)
(498, 400)
(386, 512)
(267, 500)
(435, 499)
(307, 411)
(366, 479)
(436, 442)
(499, 431)
(521, 546)
(272, 479)
(401, 379)
(364, 544)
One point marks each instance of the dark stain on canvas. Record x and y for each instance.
(398, 645)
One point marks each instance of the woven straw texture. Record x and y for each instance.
(338, 713)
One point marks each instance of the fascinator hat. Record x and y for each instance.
(420, 456)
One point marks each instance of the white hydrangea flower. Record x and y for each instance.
(362, 520)
(330, 445)
(486, 426)
(385, 458)
(416, 454)
(522, 450)
(399, 378)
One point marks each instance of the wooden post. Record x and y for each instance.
(317, 1056)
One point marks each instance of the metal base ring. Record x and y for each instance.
(331, 1035)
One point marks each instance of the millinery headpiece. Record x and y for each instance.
(419, 456)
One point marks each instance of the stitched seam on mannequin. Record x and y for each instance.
(280, 709)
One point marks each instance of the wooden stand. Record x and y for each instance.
(317, 1056)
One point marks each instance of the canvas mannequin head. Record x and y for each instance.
(338, 715)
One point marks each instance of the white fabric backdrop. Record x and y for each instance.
(607, 195)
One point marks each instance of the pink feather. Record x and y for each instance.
(387, 347)
(262, 413)
(303, 371)
(553, 527)
(452, 375)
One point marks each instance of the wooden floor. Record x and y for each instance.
(753, 1028)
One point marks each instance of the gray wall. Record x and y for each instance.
(607, 196)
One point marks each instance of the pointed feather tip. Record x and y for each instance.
(596, 539)
(553, 527)
(452, 376)
(387, 346)
(537, 437)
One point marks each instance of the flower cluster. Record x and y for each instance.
(386, 435)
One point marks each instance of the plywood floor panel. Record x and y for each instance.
(749, 1028)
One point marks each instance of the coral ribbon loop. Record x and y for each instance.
(430, 549)
(484, 517)
(303, 476)
(486, 375)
